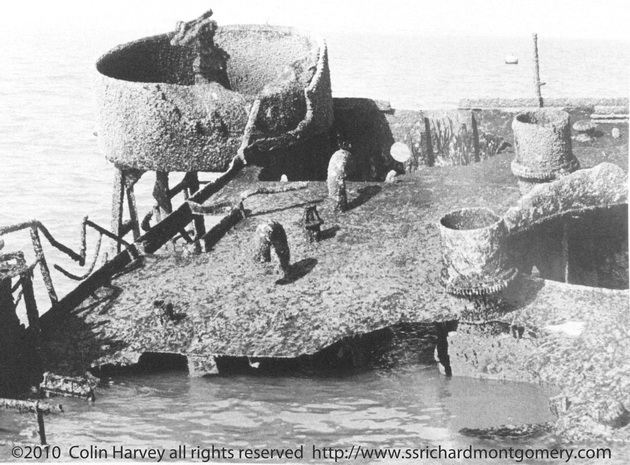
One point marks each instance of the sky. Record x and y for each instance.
(605, 19)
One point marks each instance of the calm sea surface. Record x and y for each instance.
(51, 169)
(407, 408)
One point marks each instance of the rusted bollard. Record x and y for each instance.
(542, 145)
(312, 224)
(337, 180)
(474, 252)
(271, 233)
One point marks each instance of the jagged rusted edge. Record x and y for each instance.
(11, 270)
(480, 289)
(526, 173)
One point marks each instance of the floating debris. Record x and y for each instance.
(80, 386)
(30, 406)
(33, 406)
(509, 431)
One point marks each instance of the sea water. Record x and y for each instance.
(407, 408)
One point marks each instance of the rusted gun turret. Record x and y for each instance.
(194, 99)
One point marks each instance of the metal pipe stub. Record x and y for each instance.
(542, 145)
(474, 252)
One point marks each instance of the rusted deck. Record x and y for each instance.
(376, 267)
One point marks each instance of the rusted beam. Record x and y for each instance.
(39, 253)
(87, 287)
(181, 186)
(475, 136)
(105, 232)
(133, 213)
(30, 406)
(7, 305)
(218, 231)
(41, 428)
(36, 224)
(118, 198)
(149, 242)
(199, 225)
(97, 249)
(537, 84)
(161, 193)
(430, 154)
(249, 129)
(124, 181)
(29, 301)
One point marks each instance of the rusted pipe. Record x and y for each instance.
(542, 146)
(474, 252)
(537, 84)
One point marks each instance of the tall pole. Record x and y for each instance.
(537, 71)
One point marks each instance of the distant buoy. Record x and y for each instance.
(511, 60)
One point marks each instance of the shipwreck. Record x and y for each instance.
(339, 233)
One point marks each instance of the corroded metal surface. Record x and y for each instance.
(210, 64)
(603, 186)
(78, 386)
(376, 268)
(542, 142)
(474, 252)
(271, 234)
(336, 179)
(153, 116)
(378, 264)
(312, 224)
(573, 337)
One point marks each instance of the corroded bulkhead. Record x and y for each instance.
(152, 115)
